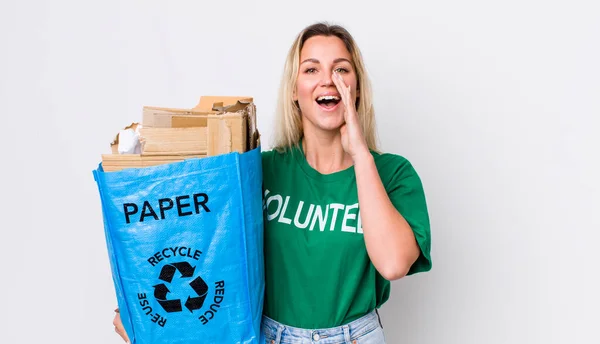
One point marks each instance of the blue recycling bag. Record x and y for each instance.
(185, 244)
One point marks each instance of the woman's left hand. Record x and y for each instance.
(353, 140)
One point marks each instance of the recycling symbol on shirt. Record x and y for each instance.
(198, 287)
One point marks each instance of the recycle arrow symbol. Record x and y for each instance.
(201, 288)
(168, 271)
(160, 293)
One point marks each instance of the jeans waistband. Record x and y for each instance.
(344, 333)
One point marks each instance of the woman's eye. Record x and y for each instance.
(310, 70)
(341, 70)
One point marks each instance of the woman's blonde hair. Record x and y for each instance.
(288, 123)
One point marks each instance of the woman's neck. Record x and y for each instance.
(324, 152)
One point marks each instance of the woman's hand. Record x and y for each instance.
(353, 140)
(119, 326)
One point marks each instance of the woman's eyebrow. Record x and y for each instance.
(313, 60)
(340, 59)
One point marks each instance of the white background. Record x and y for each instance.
(495, 103)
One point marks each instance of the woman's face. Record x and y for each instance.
(318, 97)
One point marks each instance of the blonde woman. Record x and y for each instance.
(342, 219)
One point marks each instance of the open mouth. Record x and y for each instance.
(328, 102)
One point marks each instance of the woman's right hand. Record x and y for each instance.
(119, 326)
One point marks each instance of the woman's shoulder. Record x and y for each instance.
(277, 154)
(268, 155)
(393, 165)
(387, 159)
(273, 156)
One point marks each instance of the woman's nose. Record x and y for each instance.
(327, 79)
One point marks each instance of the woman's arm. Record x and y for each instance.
(390, 240)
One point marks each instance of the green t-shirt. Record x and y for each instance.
(317, 270)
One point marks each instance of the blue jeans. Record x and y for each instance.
(364, 330)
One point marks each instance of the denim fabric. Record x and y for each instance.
(365, 330)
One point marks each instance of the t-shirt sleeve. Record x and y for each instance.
(406, 192)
